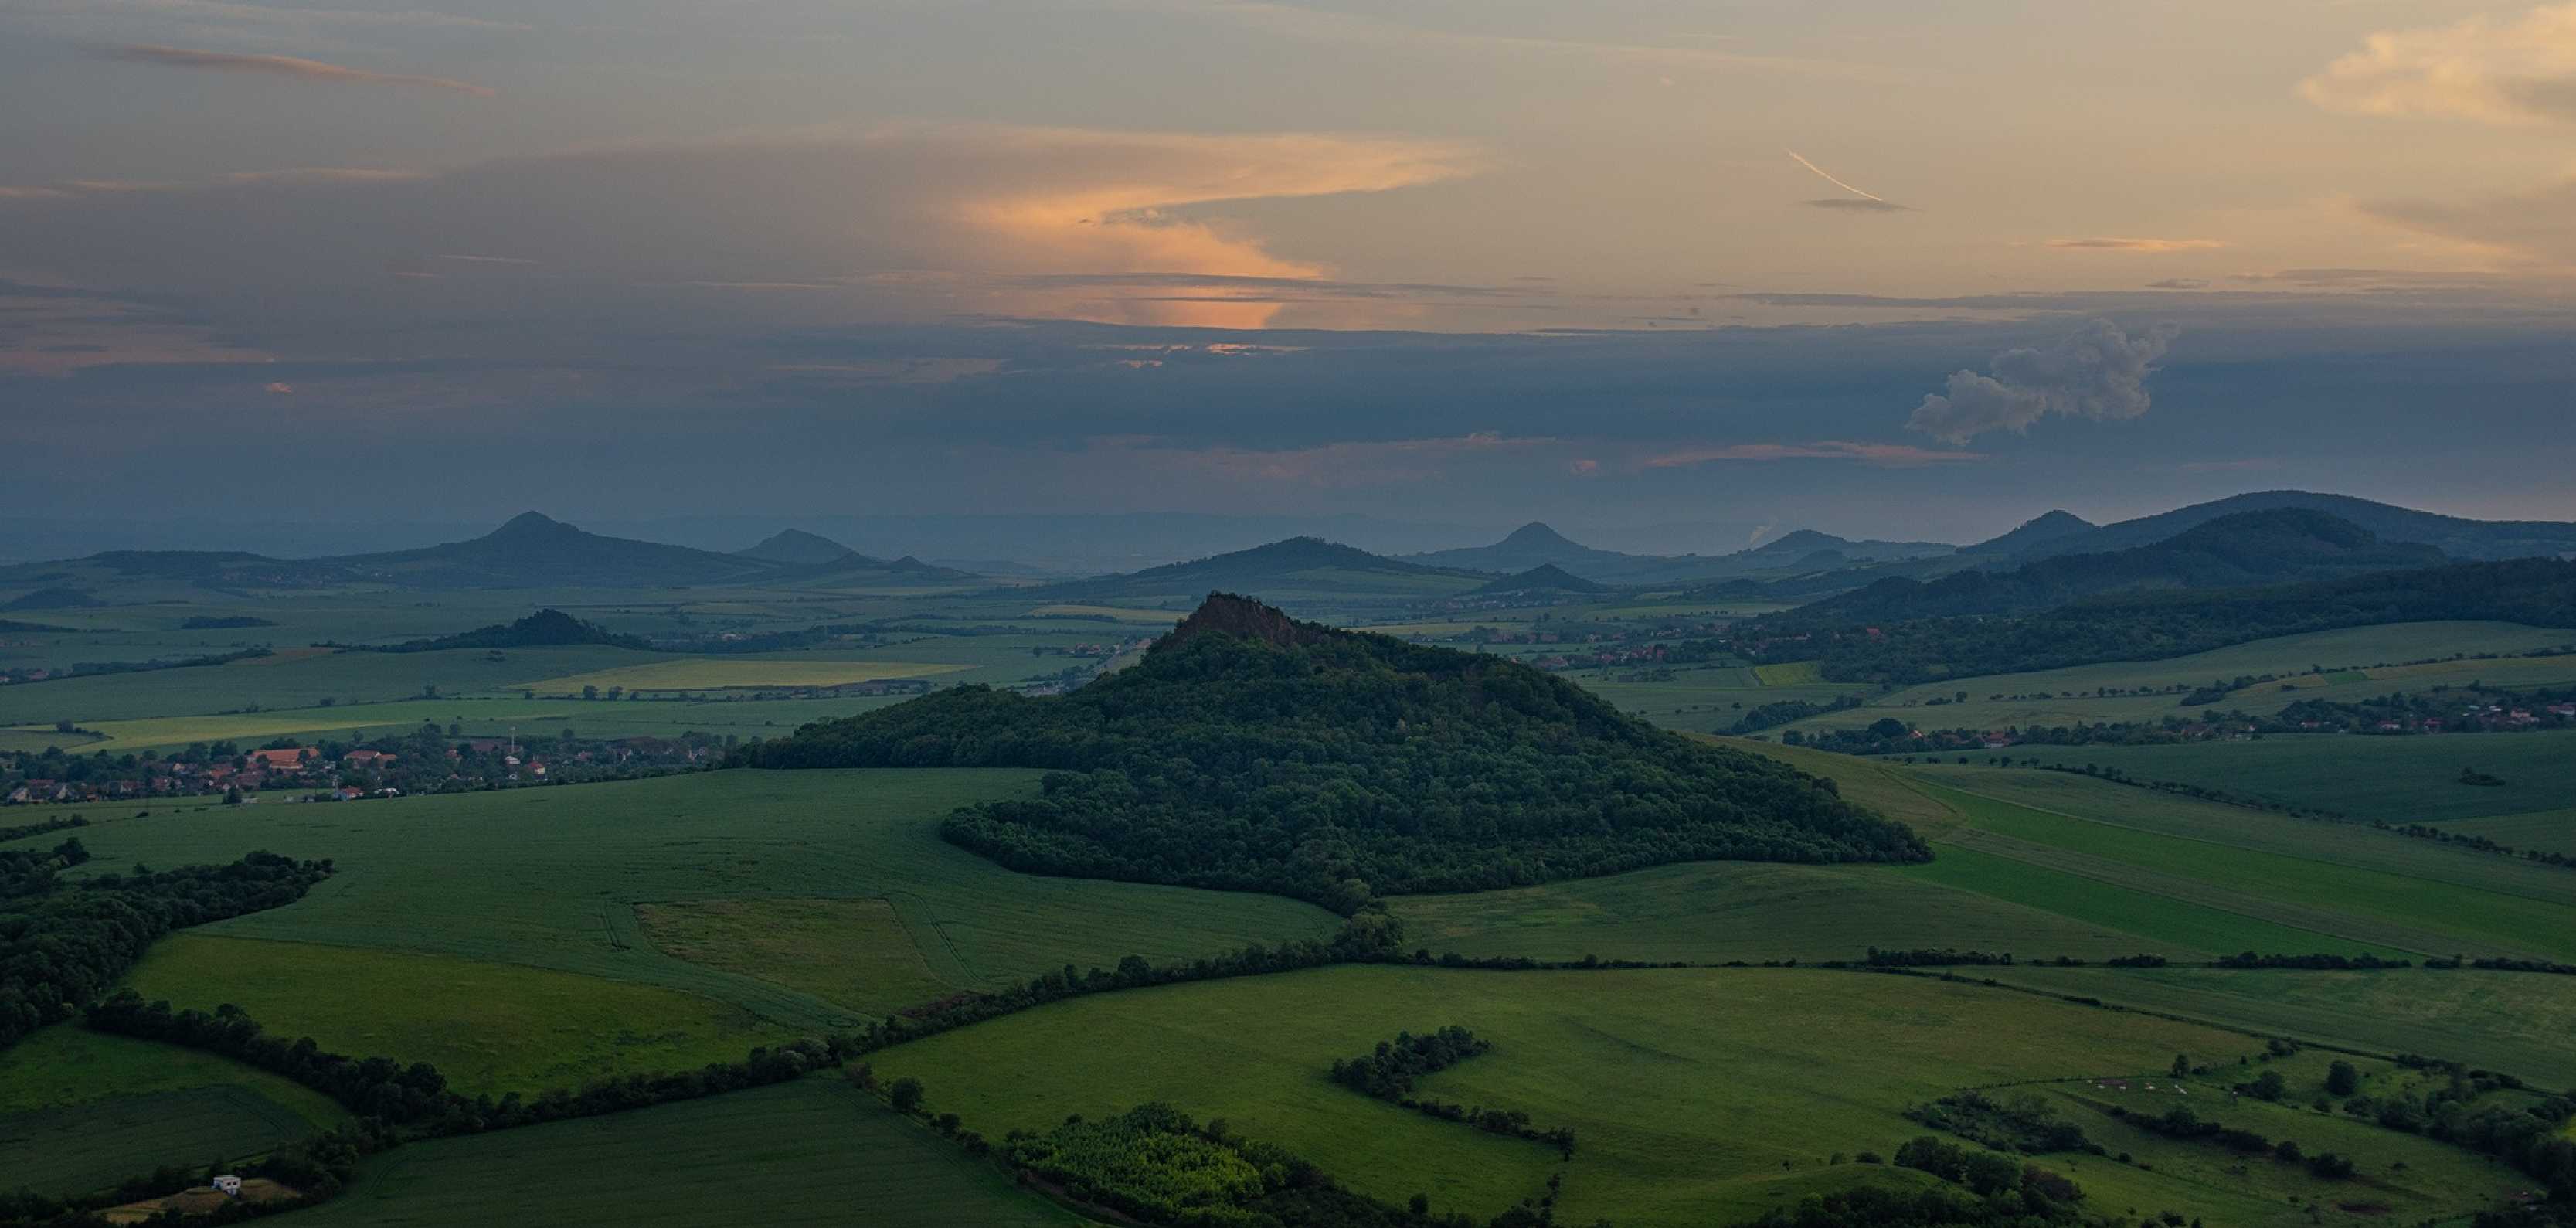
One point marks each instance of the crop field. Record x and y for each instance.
(1119, 613)
(2075, 695)
(2439, 901)
(523, 880)
(475, 717)
(80, 1110)
(1699, 1096)
(2516, 1022)
(2550, 831)
(717, 673)
(304, 682)
(489, 1027)
(2410, 779)
(812, 1151)
(1705, 700)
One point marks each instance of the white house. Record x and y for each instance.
(228, 1184)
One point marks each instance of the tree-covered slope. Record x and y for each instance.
(2277, 545)
(1251, 751)
(2149, 626)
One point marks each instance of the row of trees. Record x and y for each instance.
(65, 942)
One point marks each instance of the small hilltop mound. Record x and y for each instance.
(1250, 751)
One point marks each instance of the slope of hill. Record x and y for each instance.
(1298, 563)
(1544, 578)
(1250, 751)
(1536, 545)
(1801, 543)
(547, 628)
(2154, 625)
(2284, 544)
(2033, 534)
(2455, 536)
(534, 550)
(798, 548)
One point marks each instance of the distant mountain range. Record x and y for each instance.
(2455, 536)
(529, 551)
(2273, 546)
(1536, 545)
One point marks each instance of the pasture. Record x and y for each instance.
(814, 1151)
(2408, 779)
(1699, 1096)
(80, 1111)
(510, 890)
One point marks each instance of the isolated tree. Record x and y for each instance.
(2268, 1086)
(904, 1094)
(2181, 1065)
(2342, 1079)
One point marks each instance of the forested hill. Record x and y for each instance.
(545, 628)
(2146, 626)
(1251, 751)
(2273, 546)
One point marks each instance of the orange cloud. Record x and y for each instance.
(2148, 246)
(2502, 72)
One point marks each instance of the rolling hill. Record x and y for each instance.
(2278, 545)
(1544, 578)
(2033, 534)
(2455, 536)
(533, 549)
(798, 548)
(1298, 564)
(1251, 751)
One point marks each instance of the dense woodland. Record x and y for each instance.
(1252, 752)
(64, 942)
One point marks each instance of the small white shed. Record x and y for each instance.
(228, 1184)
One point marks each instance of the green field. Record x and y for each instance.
(2517, 1022)
(815, 1151)
(489, 1027)
(2392, 779)
(523, 880)
(80, 1110)
(2072, 696)
(718, 673)
(2549, 831)
(1699, 1096)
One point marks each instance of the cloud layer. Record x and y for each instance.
(2099, 372)
(279, 66)
(2505, 72)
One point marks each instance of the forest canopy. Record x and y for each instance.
(1250, 751)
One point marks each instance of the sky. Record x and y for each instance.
(1886, 269)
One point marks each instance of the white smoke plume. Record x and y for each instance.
(2100, 373)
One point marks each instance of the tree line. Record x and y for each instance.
(64, 942)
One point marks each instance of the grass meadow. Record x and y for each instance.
(1698, 1096)
(489, 901)
(2393, 779)
(815, 1151)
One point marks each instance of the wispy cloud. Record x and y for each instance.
(2147, 246)
(279, 66)
(1889, 454)
(2180, 283)
(2503, 72)
(1869, 202)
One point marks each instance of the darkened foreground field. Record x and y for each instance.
(2406, 779)
(80, 1110)
(815, 1151)
(1698, 1096)
(494, 900)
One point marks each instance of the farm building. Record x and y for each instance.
(228, 1185)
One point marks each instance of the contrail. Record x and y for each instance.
(1821, 173)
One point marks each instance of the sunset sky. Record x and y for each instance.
(1858, 264)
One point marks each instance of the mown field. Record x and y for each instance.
(2077, 695)
(815, 1151)
(2411, 779)
(2517, 1022)
(721, 673)
(1698, 1096)
(498, 898)
(81, 1111)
